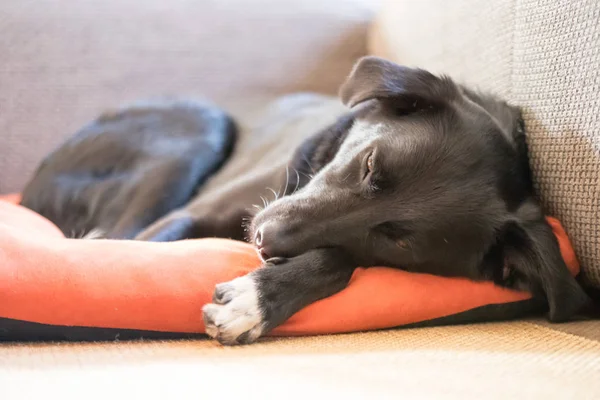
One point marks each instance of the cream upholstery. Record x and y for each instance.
(511, 360)
(64, 62)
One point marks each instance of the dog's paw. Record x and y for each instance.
(235, 316)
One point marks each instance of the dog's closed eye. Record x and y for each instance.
(371, 174)
(368, 166)
(370, 162)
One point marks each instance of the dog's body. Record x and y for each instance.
(424, 175)
(259, 171)
(112, 176)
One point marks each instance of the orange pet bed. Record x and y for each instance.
(53, 288)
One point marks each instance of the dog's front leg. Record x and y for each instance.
(250, 306)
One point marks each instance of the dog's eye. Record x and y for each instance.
(369, 165)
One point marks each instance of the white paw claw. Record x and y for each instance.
(234, 317)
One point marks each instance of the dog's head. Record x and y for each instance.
(428, 176)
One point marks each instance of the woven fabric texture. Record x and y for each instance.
(486, 361)
(542, 55)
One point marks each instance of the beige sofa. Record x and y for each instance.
(63, 62)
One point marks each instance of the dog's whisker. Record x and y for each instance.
(305, 174)
(308, 163)
(287, 179)
(265, 204)
(274, 193)
(257, 207)
(246, 223)
(297, 181)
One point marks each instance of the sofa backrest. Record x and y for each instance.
(542, 55)
(62, 63)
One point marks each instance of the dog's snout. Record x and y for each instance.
(264, 238)
(271, 240)
(287, 229)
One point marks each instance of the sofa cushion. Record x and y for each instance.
(96, 289)
(541, 55)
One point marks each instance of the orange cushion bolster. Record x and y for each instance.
(49, 279)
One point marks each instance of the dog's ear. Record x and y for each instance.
(508, 117)
(404, 87)
(510, 121)
(532, 250)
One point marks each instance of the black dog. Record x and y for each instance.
(423, 174)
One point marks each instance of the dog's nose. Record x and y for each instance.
(265, 238)
(258, 242)
(258, 237)
(275, 239)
